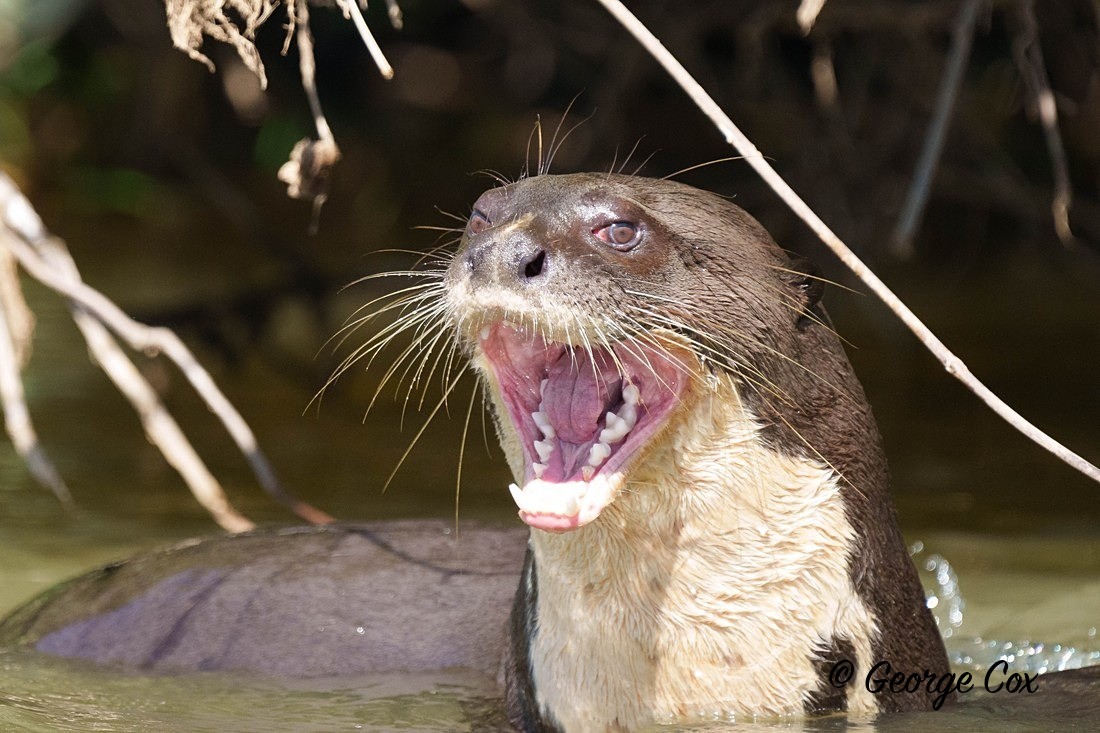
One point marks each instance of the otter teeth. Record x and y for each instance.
(598, 453)
(542, 422)
(544, 448)
(617, 427)
(539, 498)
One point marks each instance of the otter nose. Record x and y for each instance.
(534, 265)
(517, 259)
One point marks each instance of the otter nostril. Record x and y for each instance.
(534, 266)
(473, 260)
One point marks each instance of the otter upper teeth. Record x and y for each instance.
(617, 428)
(544, 448)
(484, 333)
(543, 423)
(629, 415)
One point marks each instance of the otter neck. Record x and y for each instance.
(708, 588)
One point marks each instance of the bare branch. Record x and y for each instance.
(17, 419)
(19, 317)
(190, 20)
(47, 260)
(823, 75)
(952, 364)
(917, 198)
(808, 10)
(351, 11)
(397, 20)
(307, 171)
(1033, 70)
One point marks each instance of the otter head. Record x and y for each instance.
(601, 309)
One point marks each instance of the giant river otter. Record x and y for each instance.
(712, 529)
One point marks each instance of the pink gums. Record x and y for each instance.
(581, 386)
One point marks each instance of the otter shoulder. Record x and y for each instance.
(299, 602)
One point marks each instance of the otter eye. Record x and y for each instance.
(622, 235)
(478, 222)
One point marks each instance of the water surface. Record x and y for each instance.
(1019, 532)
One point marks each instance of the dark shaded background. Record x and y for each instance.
(161, 177)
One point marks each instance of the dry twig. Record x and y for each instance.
(951, 363)
(306, 172)
(352, 12)
(1033, 71)
(191, 20)
(917, 198)
(808, 10)
(14, 306)
(47, 260)
(14, 350)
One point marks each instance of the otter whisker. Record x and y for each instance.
(697, 166)
(372, 346)
(612, 169)
(555, 143)
(748, 374)
(423, 428)
(813, 276)
(587, 346)
(462, 445)
(536, 129)
(431, 372)
(634, 149)
(435, 275)
(626, 343)
(448, 366)
(396, 326)
(658, 341)
(758, 343)
(416, 347)
(405, 296)
(791, 302)
(497, 176)
(444, 230)
(362, 352)
(716, 354)
(817, 453)
(451, 215)
(433, 335)
(643, 164)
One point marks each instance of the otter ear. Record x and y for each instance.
(804, 279)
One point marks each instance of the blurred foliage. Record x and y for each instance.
(133, 150)
(161, 177)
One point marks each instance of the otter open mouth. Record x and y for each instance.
(582, 415)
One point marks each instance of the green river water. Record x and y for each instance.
(1020, 532)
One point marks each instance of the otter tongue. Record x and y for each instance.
(577, 393)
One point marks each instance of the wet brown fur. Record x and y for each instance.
(708, 270)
